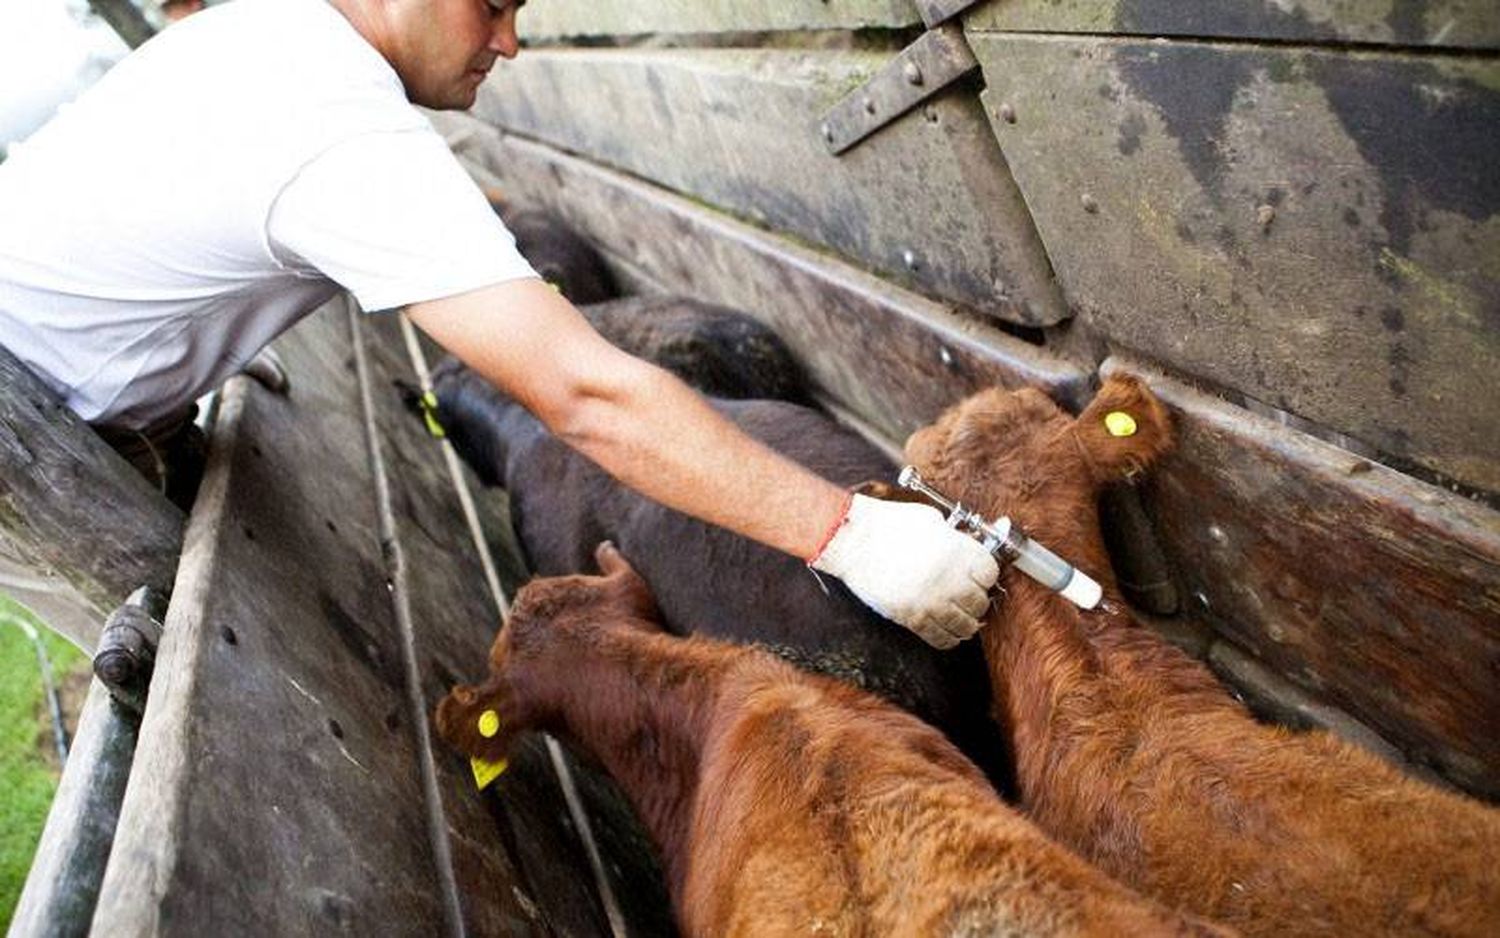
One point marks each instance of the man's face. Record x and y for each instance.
(442, 49)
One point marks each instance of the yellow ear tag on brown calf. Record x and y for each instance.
(485, 770)
(1119, 423)
(489, 724)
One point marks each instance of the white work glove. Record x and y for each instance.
(903, 561)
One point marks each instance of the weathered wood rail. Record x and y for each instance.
(79, 529)
(283, 779)
(1283, 213)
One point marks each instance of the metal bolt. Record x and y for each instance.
(1089, 205)
(945, 356)
(827, 133)
(1007, 113)
(1276, 633)
(1217, 533)
(913, 72)
(909, 257)
(1264, 215)
(869, 105)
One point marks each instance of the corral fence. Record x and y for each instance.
(1282, 214)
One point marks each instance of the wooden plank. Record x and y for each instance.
(1434, 23)
(557, 19)
(276, 787)
(1363, 586)
(1316, 230)
(126, 19)
(53, 599)
(892, 357)
(928, 201)
(55, 473)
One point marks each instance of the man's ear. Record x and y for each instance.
(1124, 429)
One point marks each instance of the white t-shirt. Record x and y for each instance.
(215, 187)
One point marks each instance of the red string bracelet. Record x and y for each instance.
(838, 523)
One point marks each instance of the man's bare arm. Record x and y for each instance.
(639, 423)
(656, 435)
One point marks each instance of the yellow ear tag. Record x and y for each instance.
(489, 724)
(429, 403)
(1119, 423)
(486, 771)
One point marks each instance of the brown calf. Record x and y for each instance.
(1131, 753)
(784, 803)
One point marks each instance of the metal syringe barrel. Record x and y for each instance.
(1003, 537)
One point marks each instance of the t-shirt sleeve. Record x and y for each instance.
(393, 219)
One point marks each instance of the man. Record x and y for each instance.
(132, 288)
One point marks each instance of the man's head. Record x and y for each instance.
(441, 49)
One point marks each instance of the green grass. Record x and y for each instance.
(26, 781)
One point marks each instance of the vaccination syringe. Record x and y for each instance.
(1007, 542)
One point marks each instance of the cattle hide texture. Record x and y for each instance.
(784, 803)
(1131, 753)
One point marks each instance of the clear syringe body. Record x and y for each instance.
(1005, 540)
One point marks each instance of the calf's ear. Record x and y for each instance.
(471, 720)
(1124, 429)
(628, 586)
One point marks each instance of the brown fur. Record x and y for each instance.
(1130, 752)
(784, 803)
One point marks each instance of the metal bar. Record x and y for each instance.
(576, 811)
(49, 691)
(934, 12)
(63, 886)
(940, 57)
(396, 566)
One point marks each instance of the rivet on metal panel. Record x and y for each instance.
(1006, 113)
(909, 258)
(827, 134)
(869, 105)
(913, 73)
(945, 356)
(1264, 215)
(1089, 204)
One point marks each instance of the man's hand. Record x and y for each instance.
(904, 561)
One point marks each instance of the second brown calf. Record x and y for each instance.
(783, 803)
(1131, 752)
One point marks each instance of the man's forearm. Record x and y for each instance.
(639, 423)
(662, 439)
(657, 436)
